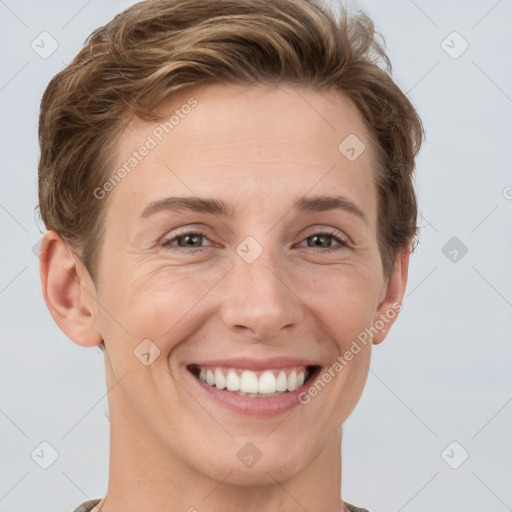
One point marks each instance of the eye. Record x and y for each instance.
(323, 240)
(187, 239)
(194, 240)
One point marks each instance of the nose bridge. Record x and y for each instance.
(257, 294)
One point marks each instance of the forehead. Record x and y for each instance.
(234, 141)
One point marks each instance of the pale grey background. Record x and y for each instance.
(443, 374)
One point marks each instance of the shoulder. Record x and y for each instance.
(87, 506)
(354, 508)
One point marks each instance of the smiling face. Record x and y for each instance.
(271, 264)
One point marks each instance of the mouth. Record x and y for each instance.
(255, 384)
(264, 392)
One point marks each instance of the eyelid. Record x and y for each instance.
(325, 229)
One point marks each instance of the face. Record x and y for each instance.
(265, 283)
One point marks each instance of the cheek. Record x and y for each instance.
(153, 306)
(347, 307)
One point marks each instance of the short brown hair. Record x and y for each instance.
(157, 47)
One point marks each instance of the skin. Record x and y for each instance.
(258, 149)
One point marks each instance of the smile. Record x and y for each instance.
(255, 384)
(264, 392)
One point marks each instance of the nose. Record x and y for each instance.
(258, 298)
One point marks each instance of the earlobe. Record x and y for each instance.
(389, 308)
(68, 293)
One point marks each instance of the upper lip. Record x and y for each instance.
(256, 364)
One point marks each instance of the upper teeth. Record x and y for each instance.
(248, 381)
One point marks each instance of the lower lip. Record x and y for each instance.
(264, 407)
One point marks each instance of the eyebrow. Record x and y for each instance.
(221, 208)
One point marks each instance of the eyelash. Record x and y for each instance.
(332, 234)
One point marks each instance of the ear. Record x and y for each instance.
(68, 291)
(391, 304)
